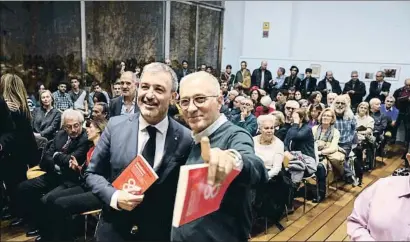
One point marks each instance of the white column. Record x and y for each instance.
(83, 39)
(167, 33)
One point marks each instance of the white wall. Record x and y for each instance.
(340, 36)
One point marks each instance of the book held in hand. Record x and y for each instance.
(195, 198)
(138, 173)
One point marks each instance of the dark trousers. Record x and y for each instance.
(321, 179)
(403, 118)
(62, 204)
(12, 173)
(33, 194)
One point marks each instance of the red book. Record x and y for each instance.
(138, 173)
(195, 198)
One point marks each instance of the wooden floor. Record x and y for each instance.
(325, 221)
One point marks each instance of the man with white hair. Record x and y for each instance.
(126, 103)
(162, 141)
(232, 148)
(380, 120)
(70, 141)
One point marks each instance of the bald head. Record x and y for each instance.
(201, 81)
(264, 65)
(128, 83)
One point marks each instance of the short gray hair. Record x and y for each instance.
(71, 113)
(354, 72)
(266, 117)
(391, 98)
(373, 100)
(383, 74)
(161, 67)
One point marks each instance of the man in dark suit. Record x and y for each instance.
(327, 85)
(293, 80)
(70, 141)
(232, 149)
(379, 88)
(261, 76)
(308, 84)
(126, 103)
(162, 141)
(184, 71)
(356, 89)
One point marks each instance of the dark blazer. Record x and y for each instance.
(77, 148)
(116, 148)
(300, 139)
(257, 77)
(48, 125)
(359, 91)
(301, 86)
(321, 87)
(375, 93)
(7, 128)
(290, 82)
(402, 103)
(180, 73)
(116, 106)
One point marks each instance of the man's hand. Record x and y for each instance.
(127, 200)
(73, 164)
(244, 114)
(221, 162)
(393, 123)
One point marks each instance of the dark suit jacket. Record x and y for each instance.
(301, 86)
(321, 87)
(180, 73)
(48, 125)
(7, 128)
(359, 91)
(257, 77)
(375, 93)
(290, 82)
(116, 105)
(77, 148)
(116, 148)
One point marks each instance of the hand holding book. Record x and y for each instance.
(221, 162)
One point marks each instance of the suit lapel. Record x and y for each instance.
(171, 141)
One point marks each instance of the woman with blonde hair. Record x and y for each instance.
(326, 139)
(23, 151)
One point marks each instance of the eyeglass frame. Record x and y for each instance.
(195, 102)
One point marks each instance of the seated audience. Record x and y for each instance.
(267, 146)
(316, 98)
(100, 111)
(313, 114)
(346, 125)
(365, 126)
(264, 108)
(290, 107)
(327, 139)
(392, 113)
(304, 103)
(70, 142)
(61, 98)
(73, 200)
(380, 120)
(299, 150)
(330, 98)
(298, 96)
(281, 98)
(46, 119)
(246, 119)
(236, 106)
(256, 96)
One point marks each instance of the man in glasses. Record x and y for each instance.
(379, 88)
(70, 141)
(232, 148)
(246, 119)
(289, 109)
(356, 89)
(162, 141)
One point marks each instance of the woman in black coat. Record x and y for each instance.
(23, 149)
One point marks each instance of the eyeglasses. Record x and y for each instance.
(75, 126)
(246, 104)
(198, 101)
(340, 103)
(290, 108)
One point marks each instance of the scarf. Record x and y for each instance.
(327, 136)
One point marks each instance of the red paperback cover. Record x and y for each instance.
(138, 173)
(195, 198)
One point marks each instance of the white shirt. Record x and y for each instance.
(143, 136)
(262, 79)
(328, 86)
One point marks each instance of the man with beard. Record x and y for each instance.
(232, 148)
(356, 89)
(162, 141)
(328, 85)
(293, 80)
(346, 125)
(308, 84)
(125, 104)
